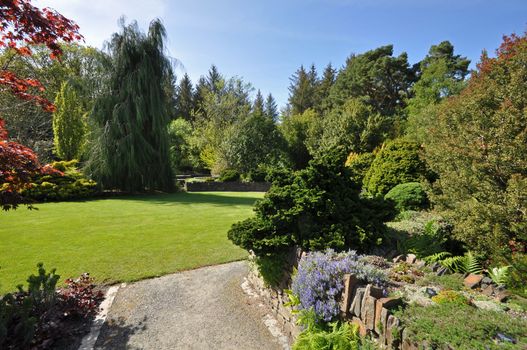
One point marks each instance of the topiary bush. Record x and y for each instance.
(229, 175)
(398, 162)
(65, 182)
(408, 196)
(315, 208)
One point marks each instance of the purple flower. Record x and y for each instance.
(318, 281)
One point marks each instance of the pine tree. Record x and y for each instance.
(131, 151)
(214, 80)
(270, 108)
(69, 127)
(258, 104)
(302, 90)
(200, 93)
(185, 98)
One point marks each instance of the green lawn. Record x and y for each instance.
(121, 239)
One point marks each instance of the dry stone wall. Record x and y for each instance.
(362, 304)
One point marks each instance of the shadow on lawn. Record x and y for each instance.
(194, 198)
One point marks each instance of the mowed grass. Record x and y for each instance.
(122, 239)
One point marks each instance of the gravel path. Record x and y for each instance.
(199, 309)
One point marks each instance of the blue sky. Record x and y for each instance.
(266, 41)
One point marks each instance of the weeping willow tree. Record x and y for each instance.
(129, 147)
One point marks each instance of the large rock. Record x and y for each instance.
(410, 258)
(472, 281)
(362, 327)
(350, 281)
(368, 311)
(356, 304)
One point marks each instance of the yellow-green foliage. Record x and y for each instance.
(57, 187)
(69, 125)
(451, 297)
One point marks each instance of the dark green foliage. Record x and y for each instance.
(258, 105)
(302, 90)
(253, 142)
(408, 196)
(398, 162)
(23, 313)
(461, 326)
(377, 78)
(256, 175)
(354, 126)
(270, 108)
(229, 175)
(359, 165)
(296, 130)
(130, 149)
(60, 187)
(185, 99)
(179, 134)
(518, 274)
(315, 208)
(271, 267)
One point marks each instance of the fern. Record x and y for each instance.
(437, 257)
(500, 275)
(454, 264)
(468, 263)
(471, 264)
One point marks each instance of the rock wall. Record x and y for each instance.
(227, 186)
(363, 305)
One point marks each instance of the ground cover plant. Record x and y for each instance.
(122, 239)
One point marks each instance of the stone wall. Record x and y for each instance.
(361, 304)
(227, 186)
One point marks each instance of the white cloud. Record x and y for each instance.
(98, 19)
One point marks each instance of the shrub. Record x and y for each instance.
(398, 162)
(65, 184)
(318, 282)
(518, 274)
(315, 208)
(408, 196)
(359, 165)
(462, 326)
(38, 316)
(229, 175)
(256, 175)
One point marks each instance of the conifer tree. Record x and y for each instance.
(185, 98)
(131, 151)
(270, 108)
(324, 87)
(258, 104)
(69, 127)
(302, 90)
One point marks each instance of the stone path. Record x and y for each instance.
(199, 309)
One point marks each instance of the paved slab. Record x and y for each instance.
(199, 309)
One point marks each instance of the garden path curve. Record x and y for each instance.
(200, 309)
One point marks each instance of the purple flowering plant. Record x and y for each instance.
(318, 282)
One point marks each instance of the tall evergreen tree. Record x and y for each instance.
(69, 126)
(185, 98)
(214, 80)
(324, 88)
(131, 152)
(258, 104)
(200, 92)
(270, 108)
(457, 65)
(302, 90)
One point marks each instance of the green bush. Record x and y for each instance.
(398, 162)
(66, 184)
(462, 326)
(256, 175)
(229, 175)
(315, 208)
(359, 165)
(408, 196)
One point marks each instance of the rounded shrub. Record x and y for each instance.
(408, 196)
(398, 162)
(229, 175)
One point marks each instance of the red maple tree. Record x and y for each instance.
(23, 25)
